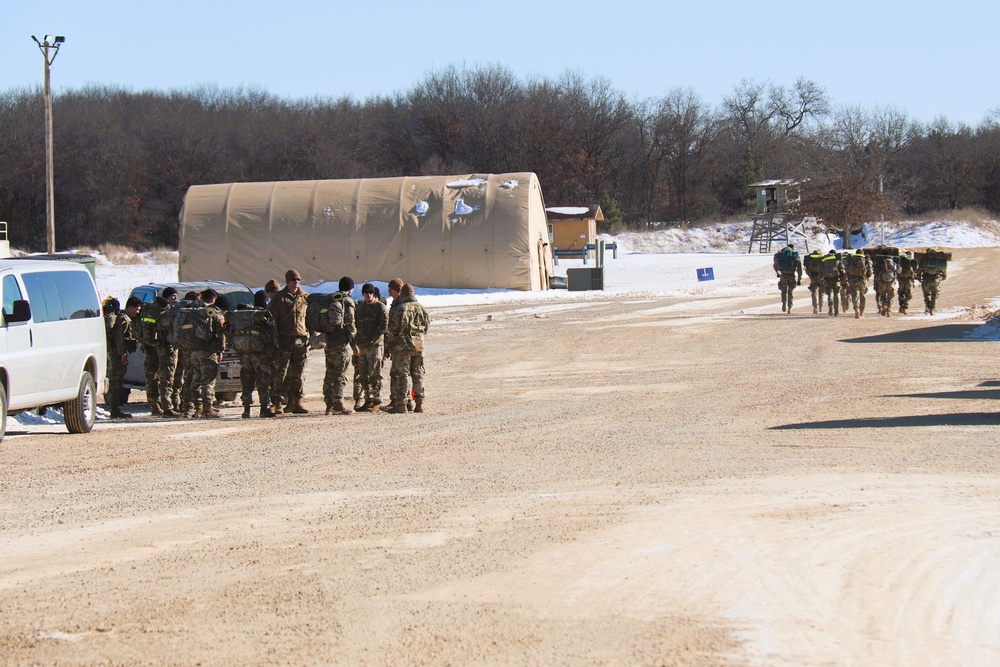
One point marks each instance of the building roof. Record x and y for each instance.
(785, 182)
(587, 212)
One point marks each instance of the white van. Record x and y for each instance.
(52, 343)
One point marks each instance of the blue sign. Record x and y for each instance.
(706, 274)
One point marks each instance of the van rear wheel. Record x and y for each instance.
(3, 412)
(81, 412)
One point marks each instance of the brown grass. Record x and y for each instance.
(162, 256)
(119, 254)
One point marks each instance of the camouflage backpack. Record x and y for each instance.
(855, 265)
(885, 269)
(147, 330)
(325, 312)
(828, 268)
(192, 327)
(246, 334)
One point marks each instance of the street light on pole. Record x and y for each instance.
(49, 46)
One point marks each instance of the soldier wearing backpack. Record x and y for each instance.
(885, 282)
(289, 307)
(832, 271)
(121, 343)
(858, 268)
(788, 269)
(408, 323)
(372, 319)
(932, 271)
(165, 356)
(811, 265)
(201, 332)
(339, 330)
(907, 273)
(252, 335)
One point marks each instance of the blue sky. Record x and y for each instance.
(928, 59)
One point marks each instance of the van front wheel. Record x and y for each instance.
(81, 412)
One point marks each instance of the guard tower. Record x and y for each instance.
(776, 219)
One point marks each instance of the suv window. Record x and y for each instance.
(60, 295)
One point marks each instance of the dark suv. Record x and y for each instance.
(228, 384)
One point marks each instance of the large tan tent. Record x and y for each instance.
(473, 231)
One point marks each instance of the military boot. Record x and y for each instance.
(266, 412)
(154, 409)
(246, 412)
(358, 403)
(329, 407)
(857, 313)
(208, 411)
(295, 406)
(340, 408)
(419, 406)
(277, 409)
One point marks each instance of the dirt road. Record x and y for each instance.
(616, 482)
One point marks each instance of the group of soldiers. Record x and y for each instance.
(843, 278)
(272, 340)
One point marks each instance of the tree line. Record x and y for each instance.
(123, 160)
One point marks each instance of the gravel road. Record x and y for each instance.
(615, 482)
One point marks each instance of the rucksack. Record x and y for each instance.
(148, 331)
(828, 268)
(934, 265)
(786, 259)
(812, 262)
(906, 266)
(885, 267)
(325, 312)
(192, 327)
(246, 335)
(855, 265)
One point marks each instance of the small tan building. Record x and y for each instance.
(573, 227)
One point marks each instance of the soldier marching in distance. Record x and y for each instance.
(788, 269)
(811, 265)
(833, 275)
(907, 273)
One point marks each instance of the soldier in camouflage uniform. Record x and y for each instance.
(271, 289)
(906, 275)
(859, 271)
(203, 362)
(255, 367)
(885, 283)
(408, 323)
(931, 276)
(372, 319)
(811, 265)
(339, 350)
(832, 271)
(121, 343)
(788, 269)
(166, 356)
(289, 310)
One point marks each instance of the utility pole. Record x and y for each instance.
(49, 47)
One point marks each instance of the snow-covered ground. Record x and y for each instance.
(661, 264)
(658, 263)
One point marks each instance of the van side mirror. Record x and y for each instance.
(22, 312)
